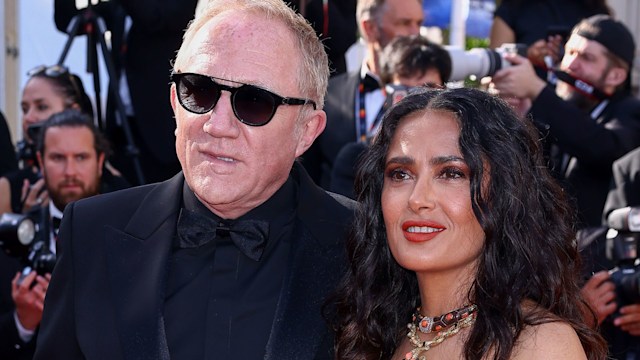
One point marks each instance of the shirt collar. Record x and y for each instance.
(364, 71)
(54, 211)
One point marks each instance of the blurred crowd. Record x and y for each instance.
(569, 76)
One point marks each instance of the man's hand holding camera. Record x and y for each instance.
(519, 80)
(600, 294)
(28, 295)
(629, 319)
(34, 195)
(539, 50)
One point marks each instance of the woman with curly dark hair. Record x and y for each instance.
(463, 243)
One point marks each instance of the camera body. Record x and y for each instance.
(622, 242)
(27, 240)
(481, 62)
(26, 150)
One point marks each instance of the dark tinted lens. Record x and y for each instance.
(254, 106)
(198, 93)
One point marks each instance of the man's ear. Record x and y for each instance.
(312, 127)
(174, 102)
(615, 77)
(369, 30)
(172, 97)
(100, 163)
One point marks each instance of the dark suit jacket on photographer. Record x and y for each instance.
(593, 145)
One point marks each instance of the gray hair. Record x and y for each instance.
(370, 9)
(313, 70)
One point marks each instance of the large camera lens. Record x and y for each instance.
(16, 234)
(481, 62)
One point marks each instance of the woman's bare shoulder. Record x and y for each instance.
(551, 340)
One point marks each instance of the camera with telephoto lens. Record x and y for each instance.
(622, 249)
(27, 240)
(481, 62)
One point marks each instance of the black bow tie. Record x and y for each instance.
(55, 223)
(250, 236)
(370, 83)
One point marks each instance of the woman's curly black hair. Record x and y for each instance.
(529, 254)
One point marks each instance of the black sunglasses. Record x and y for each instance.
(252, 105)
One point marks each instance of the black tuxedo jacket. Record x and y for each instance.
(593, 145)
(106, 297)
(340, 130)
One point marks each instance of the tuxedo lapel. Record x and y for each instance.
(316, 263)
(137, 260)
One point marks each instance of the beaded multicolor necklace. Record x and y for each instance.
(428, 324)
(457, 320)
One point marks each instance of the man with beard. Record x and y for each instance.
(591, 119)
(355, 99)
(71, 153)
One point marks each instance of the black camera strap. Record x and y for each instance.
(582, 86)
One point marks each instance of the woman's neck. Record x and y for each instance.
(441, 293)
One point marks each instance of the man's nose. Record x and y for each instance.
(222, 121)
(414, 29)
(71, 167)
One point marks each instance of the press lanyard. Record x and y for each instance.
(362, 131)
(325, 18)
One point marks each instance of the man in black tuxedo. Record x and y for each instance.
(234, 256)
(591, 118)
(354, 99)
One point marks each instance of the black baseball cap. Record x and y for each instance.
(612, 34)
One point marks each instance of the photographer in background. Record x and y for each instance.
(540, 24)
(49, 90)
(71, 153)
(355, 99)
(591, 118)
(621, 330)
(406, 62)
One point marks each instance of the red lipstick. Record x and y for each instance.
(420, 231)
